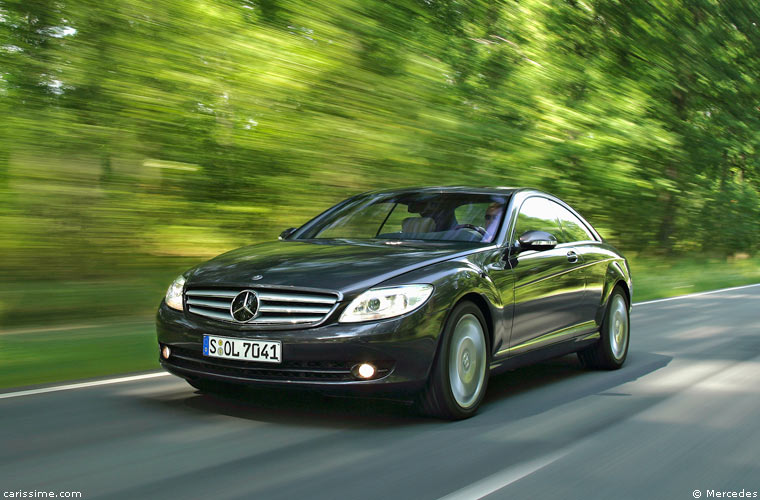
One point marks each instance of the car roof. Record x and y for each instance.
(452, 189)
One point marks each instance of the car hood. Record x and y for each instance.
(339, 265)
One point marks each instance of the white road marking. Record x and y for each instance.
(81, 385)
(86, 326)
(120, 380)
(694, 295)
(503, 478)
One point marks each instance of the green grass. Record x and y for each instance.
(656, 279)
(91, 329)
(39, 357)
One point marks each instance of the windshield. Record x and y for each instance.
(412, 216)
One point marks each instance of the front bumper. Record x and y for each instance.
(320, 358)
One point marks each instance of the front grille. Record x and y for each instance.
(277, 306)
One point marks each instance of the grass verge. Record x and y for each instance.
(657, 279)
(29, 357)
(57, 346)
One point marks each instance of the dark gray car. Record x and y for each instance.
(419, 294)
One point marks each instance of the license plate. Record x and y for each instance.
(265, 351)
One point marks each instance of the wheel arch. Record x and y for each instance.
(616, 276)
(481, 303)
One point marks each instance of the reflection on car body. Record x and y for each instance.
(417, 294)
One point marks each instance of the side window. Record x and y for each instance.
(572, 227)
(487, 215)
(538, 214)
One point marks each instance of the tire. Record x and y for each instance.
(458, 380)
(610, 352)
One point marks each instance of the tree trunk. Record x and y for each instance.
(669, 202)
(106, 172)
(4, 168)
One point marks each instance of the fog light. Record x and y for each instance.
(166, 352)
(366, 370)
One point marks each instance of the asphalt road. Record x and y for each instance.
(682, 415)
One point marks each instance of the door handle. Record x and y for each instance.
(572, 257)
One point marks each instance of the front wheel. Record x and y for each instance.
(612, 349)
(459, 377)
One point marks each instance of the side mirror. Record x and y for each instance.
(285, 234)
(536, 240)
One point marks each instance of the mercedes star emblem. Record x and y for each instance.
(245, 306)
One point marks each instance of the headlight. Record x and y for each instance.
(174, 293)
(381, 303)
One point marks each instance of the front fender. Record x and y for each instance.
(617, 273)
(454, 281)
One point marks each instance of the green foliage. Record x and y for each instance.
(139, 137)
(135, 130)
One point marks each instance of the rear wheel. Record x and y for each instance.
(459, 377)
(612, 349)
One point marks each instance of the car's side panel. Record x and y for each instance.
(549, 292)
(549, 287)
(599, 268)
(520, 357)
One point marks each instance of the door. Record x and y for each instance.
(584, 243)
(549, 284)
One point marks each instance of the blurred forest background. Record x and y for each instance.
(139, 137)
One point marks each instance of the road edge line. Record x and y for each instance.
(697, 294)
(119, 380)
(81, 385)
